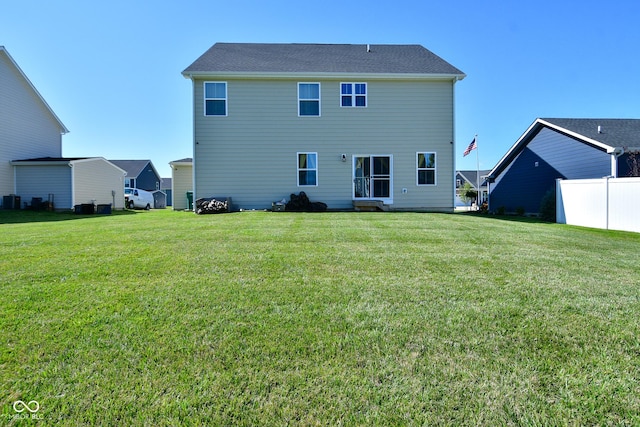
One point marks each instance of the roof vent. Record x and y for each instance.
(599, 129)
(368, 48)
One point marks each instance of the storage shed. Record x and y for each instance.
(67, 182)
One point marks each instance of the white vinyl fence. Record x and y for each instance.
(607, 203)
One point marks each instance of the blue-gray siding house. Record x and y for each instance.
(140, 174)
(472, 177)
(560, 148)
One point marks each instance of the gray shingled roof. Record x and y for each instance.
(472, 176)
(614, 132)
(132, 167)
(52, 159)
(320, 58)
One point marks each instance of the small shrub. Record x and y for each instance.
(501, 210)
(548, 206)
(520, 211)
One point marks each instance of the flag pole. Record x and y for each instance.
(477, 173)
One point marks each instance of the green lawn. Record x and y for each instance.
(259, 318)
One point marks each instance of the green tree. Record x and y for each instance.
(467, 193)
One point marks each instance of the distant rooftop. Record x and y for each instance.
(53, 159)
(133, 167)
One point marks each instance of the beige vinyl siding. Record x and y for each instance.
(250, 155)
(42, 180)
(181, 182)
(95, 179)
(27, 128)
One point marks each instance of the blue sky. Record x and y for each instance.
(111, 70)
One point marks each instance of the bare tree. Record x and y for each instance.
(633, 160)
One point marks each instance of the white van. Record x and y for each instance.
(136, 198)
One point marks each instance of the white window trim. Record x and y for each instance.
(298, 168)
(225, 99)
(353, 95)
(435, 169)
(319, 98)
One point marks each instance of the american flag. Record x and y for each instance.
(471, 147)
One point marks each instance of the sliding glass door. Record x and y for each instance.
(372, 178)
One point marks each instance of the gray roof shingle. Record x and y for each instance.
(320, 58)
(613, 132)
(52, 159)
(132, 167)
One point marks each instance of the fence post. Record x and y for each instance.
(606, 206)
(560, 218)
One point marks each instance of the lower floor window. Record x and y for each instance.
(426, 168)
(307, 169)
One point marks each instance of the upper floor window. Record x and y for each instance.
(307, 169)
(215, 98)
(353, 94)
(308, 99)
(426, 168)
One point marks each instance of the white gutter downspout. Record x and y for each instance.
(615, 153)
(73, 182)
(193, 145)
(453, 140)
(606, 195)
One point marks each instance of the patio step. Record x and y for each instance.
(370, 206)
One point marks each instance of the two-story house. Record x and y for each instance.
(343, 123)
(33, 172)
(28, 126)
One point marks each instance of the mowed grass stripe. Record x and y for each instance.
(259, 318)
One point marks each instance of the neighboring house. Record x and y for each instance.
(140, 174)
(67, 182)
(472, 177)
(560, 148)
(28, 126)
(181, 183)
(345, 124)
(165, 187)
